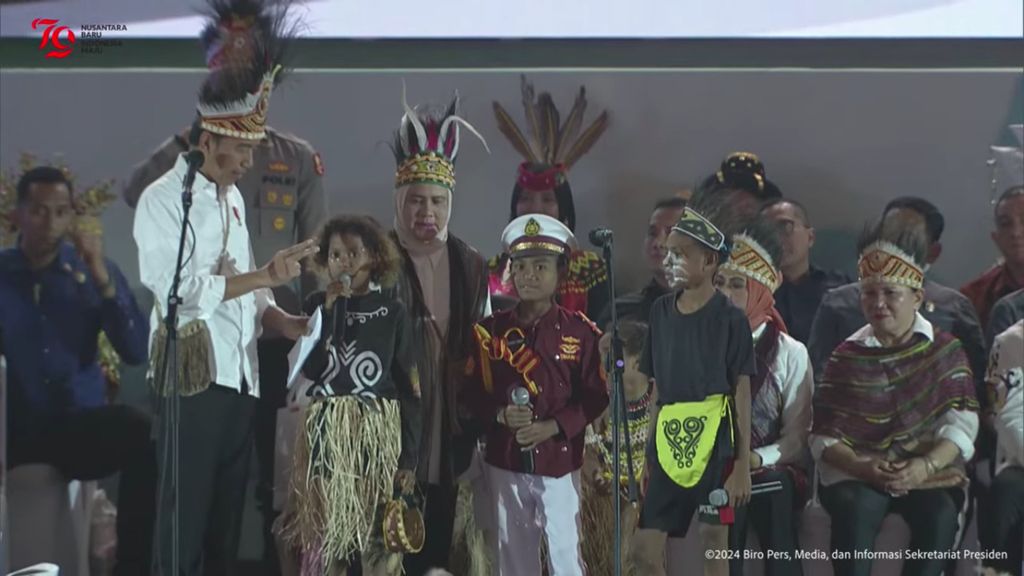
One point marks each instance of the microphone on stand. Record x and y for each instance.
(194, 159)
(521, 397)
(600, 237)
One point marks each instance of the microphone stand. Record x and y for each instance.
(171, 410)
(618, 415)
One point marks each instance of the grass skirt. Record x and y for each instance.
(598, 515)
(470, 555)
(345, 461)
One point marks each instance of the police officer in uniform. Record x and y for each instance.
(284, 204)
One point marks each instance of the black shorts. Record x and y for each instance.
(667, 506)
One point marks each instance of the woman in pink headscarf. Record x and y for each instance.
(781, 395)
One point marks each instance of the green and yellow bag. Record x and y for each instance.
(686, 434)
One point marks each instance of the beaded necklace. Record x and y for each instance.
(638, 418)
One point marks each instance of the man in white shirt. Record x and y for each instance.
(225, 302)
(1001, 526)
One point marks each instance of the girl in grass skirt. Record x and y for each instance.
(358, 444)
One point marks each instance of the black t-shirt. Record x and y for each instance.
(693, 356)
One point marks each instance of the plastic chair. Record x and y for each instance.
(48, 519)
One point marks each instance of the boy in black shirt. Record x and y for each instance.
(700, 353)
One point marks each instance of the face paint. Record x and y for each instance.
(675, 274)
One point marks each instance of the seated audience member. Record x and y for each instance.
(1001, 525)
(742, 178)
(803, 283)
(637, 305)
(895, 416)
(57, 293)
(1005, 313)
(780, 391)
(1007, 276)
(840, 313)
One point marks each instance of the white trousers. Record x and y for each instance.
(527, 507)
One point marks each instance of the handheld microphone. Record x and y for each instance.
(718, 509)
(341, 307)
(718, 497)
(521, 397)
(600, 237)
(194, 159)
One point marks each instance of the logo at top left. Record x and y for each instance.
(52, 42)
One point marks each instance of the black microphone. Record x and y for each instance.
(195, 159)
(600, 237)
(521, 397)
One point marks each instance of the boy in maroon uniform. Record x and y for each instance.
(536, 382)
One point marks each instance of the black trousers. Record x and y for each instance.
(439, 521)
(857, 512)
(273, 353)
(215, 443)
(97, 443)
(1001, 520)
(774, 518)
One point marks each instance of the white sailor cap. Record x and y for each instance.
(537, 234)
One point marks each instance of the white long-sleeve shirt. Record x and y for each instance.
(958, 426)
(792, 370)
(220, 248)
(1006, 375)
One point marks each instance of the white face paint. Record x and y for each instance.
(674, 272)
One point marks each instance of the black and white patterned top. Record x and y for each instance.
(369, 354)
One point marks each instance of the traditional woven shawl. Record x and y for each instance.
(888, 400)
(765, 391)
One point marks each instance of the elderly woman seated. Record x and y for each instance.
(895, 417)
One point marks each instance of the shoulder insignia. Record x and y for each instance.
(318, 164)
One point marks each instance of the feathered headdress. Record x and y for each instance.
(756, 253)
(426, 145)
(892, 256)
(246, 44)
(709, 219)
(549, 147)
